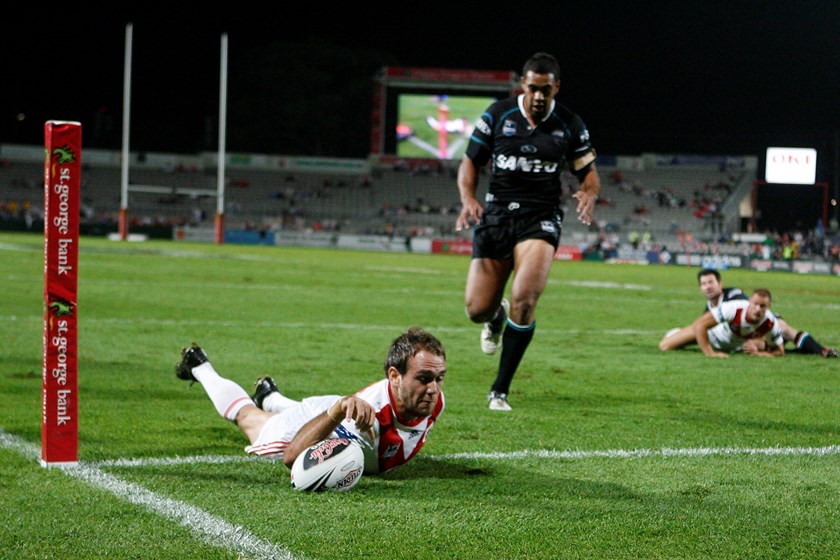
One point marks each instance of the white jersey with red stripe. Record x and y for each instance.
(733, 329)
(396, 440)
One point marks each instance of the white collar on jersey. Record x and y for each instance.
(521, 101)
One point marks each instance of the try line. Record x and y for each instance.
(218, 532)
(513, 455)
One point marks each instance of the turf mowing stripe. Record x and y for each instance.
(325, 326)
(403, 269)
(166, 461)
(207, 527)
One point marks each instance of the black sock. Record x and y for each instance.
(515, 341)
(497, 323)
(806, 344)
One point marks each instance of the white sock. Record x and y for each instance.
(227, 396)
(275, 402)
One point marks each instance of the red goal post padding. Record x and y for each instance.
(62, 180)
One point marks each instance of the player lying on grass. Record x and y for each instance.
(390, 418)
(715, 294)
(746, 326)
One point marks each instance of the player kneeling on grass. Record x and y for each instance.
(741, 326)
(712, 289)
(389, 419)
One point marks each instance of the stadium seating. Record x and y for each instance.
(664, 201)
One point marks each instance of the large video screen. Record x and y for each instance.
(436, 126)
(792, 166)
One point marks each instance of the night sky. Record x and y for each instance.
(711, 77)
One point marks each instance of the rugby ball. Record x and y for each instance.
(333, 464)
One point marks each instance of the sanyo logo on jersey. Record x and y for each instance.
(528, 165)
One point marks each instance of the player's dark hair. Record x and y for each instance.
(763, 292)
(408, 345)
(706, 272)
(542, 63)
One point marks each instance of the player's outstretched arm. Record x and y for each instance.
(701, 333)
(320, 427)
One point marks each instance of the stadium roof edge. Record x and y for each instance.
(435, 77)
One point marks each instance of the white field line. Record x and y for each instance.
(698, 452)
(239, 540)
(607, 285)
(325, 326)
(207, 527)
(642, 453)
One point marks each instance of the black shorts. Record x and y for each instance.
(502, 226)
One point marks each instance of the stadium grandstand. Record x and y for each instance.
(651, 206)
(369, 197)
(648, 201)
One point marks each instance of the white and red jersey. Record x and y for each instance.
(733, 329)
(396, 440)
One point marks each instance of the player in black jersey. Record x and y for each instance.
(529, 139)
(712, 288)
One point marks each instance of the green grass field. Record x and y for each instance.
(613, 450)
